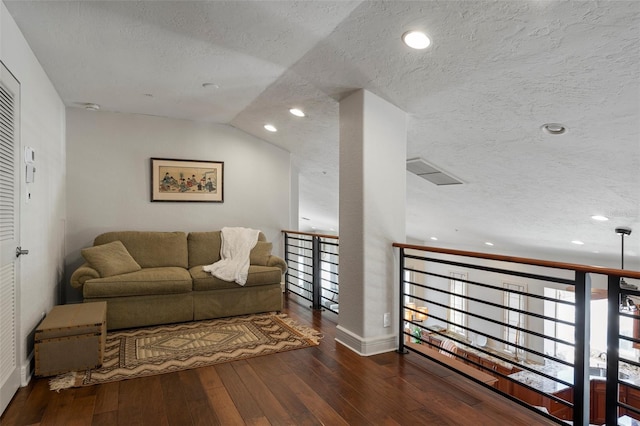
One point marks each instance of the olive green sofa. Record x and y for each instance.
(150, 278)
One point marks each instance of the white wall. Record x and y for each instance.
(42, 219)
(108, 178)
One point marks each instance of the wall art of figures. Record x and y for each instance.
(186, 180)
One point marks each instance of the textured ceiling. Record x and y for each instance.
(475, 99)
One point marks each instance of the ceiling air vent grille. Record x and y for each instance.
(426, 171)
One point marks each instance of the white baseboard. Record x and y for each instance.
(366, 346)
(26, 371)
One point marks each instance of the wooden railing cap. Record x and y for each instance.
(525, 261)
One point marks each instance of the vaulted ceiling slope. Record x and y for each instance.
(476, 100)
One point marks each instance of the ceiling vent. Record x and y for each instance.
(426, 171)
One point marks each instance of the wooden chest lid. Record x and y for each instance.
(73, 320)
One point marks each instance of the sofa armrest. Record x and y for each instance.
(277, 261)
(82, 274)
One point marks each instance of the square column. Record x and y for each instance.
(373, 141)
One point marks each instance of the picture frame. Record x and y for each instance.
(175, 180)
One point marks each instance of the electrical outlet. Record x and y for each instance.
(386, 319)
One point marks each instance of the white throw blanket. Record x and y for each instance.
(234, 255)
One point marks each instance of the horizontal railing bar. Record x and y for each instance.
(631, 291)
(526, 261)
(329, 252)
(329, 272)
(329, 243)
(331, 290)
(329, 257)
(304, 246)
(300, 264)
(305, 269)
(629, 407)
(304, 281)
(300, 271)
(504, 289)
(535, 296)
(301, 252)
(545, 298)
(298, 283)
(498, 270)
(300, 294)
(540, 354)
(304, 256)
(627, 338)
(303, 289)
(527, 350)
(529, 313)
(499, 356)
(632, 386)
(629, 315)
(630, 361)
(498, 322)
(330, 282)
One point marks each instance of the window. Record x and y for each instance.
(560, 311)
(458, 303)
(512, 318)
(598, 326)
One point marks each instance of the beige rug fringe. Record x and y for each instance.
(64, 381)
(306, 332)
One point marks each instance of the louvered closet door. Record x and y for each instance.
(9, 234)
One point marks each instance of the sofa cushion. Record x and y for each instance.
(110, 259)
(147, 281)
(260, 253)
(151, 249)
(258, 275)
(204, 247)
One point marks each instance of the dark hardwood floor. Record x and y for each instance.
(327, 384)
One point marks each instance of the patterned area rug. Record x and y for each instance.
(164, 349)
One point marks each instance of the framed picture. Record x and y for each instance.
(187, 180)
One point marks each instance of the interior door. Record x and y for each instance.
(9, 234)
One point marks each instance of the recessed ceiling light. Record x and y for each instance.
(488, 243)
(91, 107)
(210, 85)
(297, 112)
(554, 128)
(270, 127)
(416, 40)
(577, 242)
(599, 218)
(434, 238)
